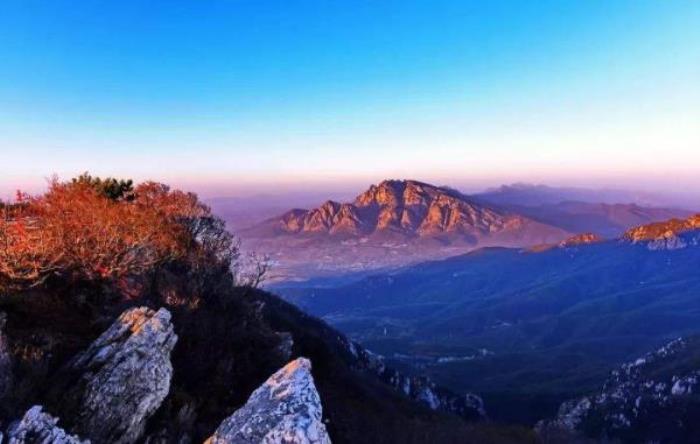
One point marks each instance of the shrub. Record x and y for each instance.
(93, 229)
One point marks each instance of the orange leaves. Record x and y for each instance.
(26, 254)
(103, 238)
(76, 231)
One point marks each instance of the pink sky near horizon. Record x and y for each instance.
(683, 185)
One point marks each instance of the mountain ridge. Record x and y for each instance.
(662, 230)
(406, 207)
(527, 194)
(389, 225)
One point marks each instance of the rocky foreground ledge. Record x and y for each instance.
(124, 376)
(285, 409)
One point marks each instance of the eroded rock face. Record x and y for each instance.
(669, 235)
(39, 427)
(411, 208)
(286, 409)
(419, 388)
(125, 375)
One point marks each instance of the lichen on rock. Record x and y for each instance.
(39, 427)
(285, 409)
(125, 376)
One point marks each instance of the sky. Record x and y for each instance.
(239, 97)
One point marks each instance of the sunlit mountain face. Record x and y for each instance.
(400, 222)
(390, 224)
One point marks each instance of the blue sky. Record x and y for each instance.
(231, 97)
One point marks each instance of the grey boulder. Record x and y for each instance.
(286, 409)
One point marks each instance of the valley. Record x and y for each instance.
(539, 325)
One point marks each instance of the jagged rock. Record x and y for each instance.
(409, 207)
(125, 375)
(648, 399)
(673, 234)
(285, 409)
(418, 388)
(5, 359)
(39, 427)
(581, 239)
(668, 242)
(569, 417)
(423, 390)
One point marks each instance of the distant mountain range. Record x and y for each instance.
(605, 220)
(607, 213)
(400, 222)
(534, 325)
(525, 194)
(246, 211)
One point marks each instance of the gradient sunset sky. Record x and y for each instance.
(233, 97)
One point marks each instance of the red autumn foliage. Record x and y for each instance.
(78, 232)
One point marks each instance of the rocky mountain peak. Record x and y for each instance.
(285, 409)
(393, 223)
(401, 193)
(412, 209)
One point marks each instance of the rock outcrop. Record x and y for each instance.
(39, 427)
(669, 235)
(419, 388)
(571, 242)
(124, 376)
(285, 409)
(581, 239)
(647, 400)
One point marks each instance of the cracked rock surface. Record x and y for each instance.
(125, 376)
(285, 409)
(39, 427)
